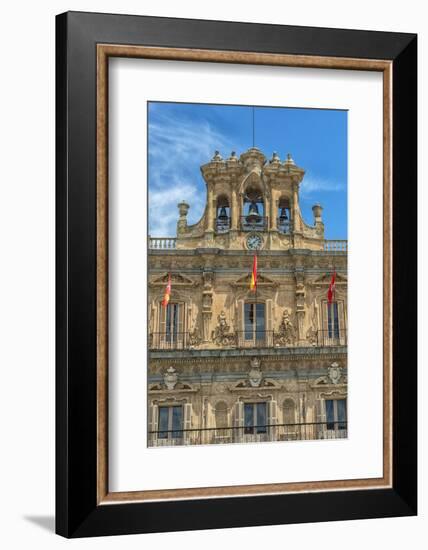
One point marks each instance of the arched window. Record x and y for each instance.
(222, 222)
(284, 216)
(253, 209)
(289, 411)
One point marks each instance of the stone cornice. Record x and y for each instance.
(291, 354)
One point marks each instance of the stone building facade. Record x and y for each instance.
(228, 364)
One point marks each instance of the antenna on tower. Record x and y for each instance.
(254, 127)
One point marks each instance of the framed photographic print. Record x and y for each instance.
(236, 252)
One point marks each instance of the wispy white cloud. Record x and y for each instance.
(177, 149)
(312, 185)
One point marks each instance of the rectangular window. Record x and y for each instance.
(255, 418)
(171, 333)
(335, 410)
(170, 422)
(333, 320)
(254, 321)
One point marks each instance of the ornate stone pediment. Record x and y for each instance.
(262, 281)
(335, 377)
(325, 279)
(176, 280)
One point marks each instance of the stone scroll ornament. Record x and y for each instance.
(221, 335)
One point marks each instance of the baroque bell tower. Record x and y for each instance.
(251, 204)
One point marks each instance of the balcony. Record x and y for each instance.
(250, 434)
(327, 338)
(162, 243)
(222, 225)
(244, 339)
(284, 226)
(336, 245)
(169, 341)
(259, 223)
(254, 339)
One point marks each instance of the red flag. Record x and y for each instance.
(331, 288)
(167, 294)
(253, 284)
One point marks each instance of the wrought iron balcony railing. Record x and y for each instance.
(256, 224)
(332, 337)
(222, 225)
(284, 226)
(254, 338)
(169, 340)
(249, 434)
(242, 339)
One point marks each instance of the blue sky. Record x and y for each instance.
(183, 136)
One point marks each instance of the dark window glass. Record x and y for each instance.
(163, 422)
(249, 321)
(333, 320)
(341, 413)
(249, 418)
(261, 418)
(335, 410)
(254, 321)
(329, 411)
(255, 418)
(177, 421)
(171, 322)
(170, 422)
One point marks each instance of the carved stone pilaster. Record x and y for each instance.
(207, 303)
(300, 306)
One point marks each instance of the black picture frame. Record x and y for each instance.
(77, 511)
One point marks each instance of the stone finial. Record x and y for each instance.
(317, 211)
(275, 158)
(217, 157)
(289, 161)
(183, 208)
(233, 156)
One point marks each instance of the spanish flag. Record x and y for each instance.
(167, 294)
(331, 289)
(253, 284)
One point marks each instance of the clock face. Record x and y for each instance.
(254, 242)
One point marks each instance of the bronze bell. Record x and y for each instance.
(223, 215)
(253, 215)
(283, 216)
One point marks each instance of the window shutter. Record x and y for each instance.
(269, 322)
(238, 420)
(240, 322)
(324, 333)
(273, 419)
(180, 324)
(342, 328)
(187, 422)
(153, 424)
(160, 338)
(319, 417)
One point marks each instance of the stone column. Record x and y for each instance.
(234, 213)
(274, 214)
(296, 219)
(210, 209)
